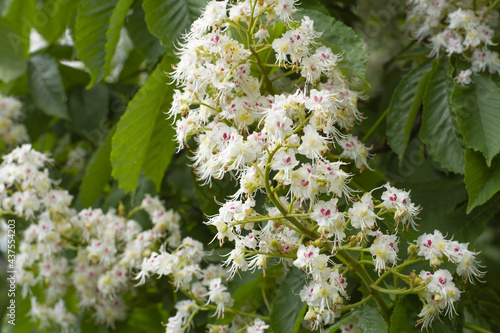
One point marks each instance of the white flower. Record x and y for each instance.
(399, 200)
(361, 214)
(464, 77)
(306, 257)
(431, 247)
(355, 150)
(313, 145)
(285, 8)
(303, 183)
(259, 326)
(384, 250)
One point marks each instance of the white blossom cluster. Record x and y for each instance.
(203, 285)
(183, 268)
(63, 251)
(268, 104)
(12, 132)
(441, 293)
(458, 27)
(239, 119)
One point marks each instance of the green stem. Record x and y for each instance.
(283, 75)
(133, 211)
(263, 72)
(355, 305)
(73, 240)
(238, 312)
(492, 6)
(374, 127)
(279, 255)
(398, 291)
(398, 268)
(345, 257)
(191, 317)
(267, 218)
(265, 300)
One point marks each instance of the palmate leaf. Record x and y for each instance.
(166, 19)
(399, 317)
(12, 61)
(160, 150)
(21, 16)
(15, 30)
(92, 23)
(477, 107)
(482, 181)
(145, 43)
(405, 103)
(131, 142)
(97, 173)
(116, 23)
(439, 129)
(287, 305)
(88, 110)
(370, 320)
(46, 86)
(54, 17)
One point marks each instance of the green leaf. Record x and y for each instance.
(477, 107)
(72, 77)
(207, 195)
(4, 7)
(46, 86)
(166, 19)
(399, 318)
(161, 148)
(345, 319)
(21, 16)
(97, 173)
(54, 16)
(337, 33)
(143, 40)
(116, 24)
(287, 305)
(370, 320)
(92, 23)
(12, 59)
(132, 67)
(404, 107)
(145, 319)
(88, 110)
(439, 129)
(133, 134)
(444, 325)
(481, 181)
(242, 294)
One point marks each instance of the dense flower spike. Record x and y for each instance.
(107, 246)
(274, 110)
(457, 27)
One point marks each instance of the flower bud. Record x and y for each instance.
(311, 315)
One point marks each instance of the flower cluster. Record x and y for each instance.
(435, 248)
(458, 27)
(11, 131)
(183, 267)
(63, 250)
(273, 109)
(440, 293)
(239, 118)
